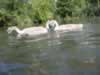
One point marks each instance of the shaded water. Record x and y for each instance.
(74, 53)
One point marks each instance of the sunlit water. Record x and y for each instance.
(73, 53)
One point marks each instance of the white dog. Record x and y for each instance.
(52, 25)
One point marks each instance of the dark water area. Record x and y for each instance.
(73, 53)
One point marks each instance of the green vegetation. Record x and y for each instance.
(25, 13)
(76, 9)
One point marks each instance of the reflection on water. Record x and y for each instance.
(73, 53)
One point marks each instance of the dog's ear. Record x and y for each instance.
(50, 26)
(54, 25)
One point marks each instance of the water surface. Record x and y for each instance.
(73, 53)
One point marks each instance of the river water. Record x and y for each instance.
(73, 53)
